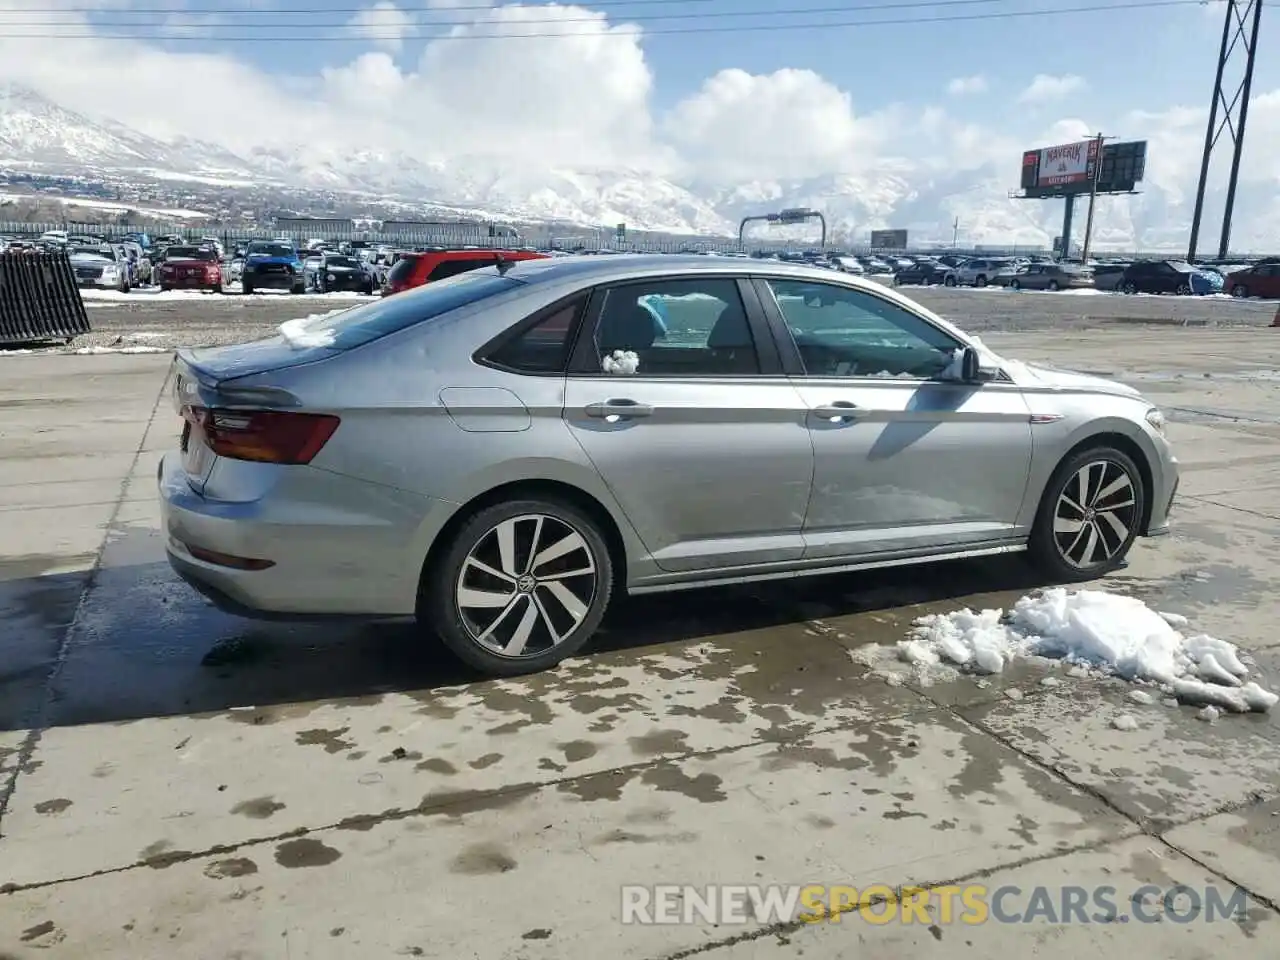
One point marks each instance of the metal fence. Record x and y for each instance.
(39, 298)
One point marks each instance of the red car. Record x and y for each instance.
(190, 268)
(1260, 280)
(415, 269)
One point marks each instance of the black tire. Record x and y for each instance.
(246, 287)
(165, 288)
(297, 288)
(1240, 291)
(950, 281)
(1052, 550)
(980, 280)
(1053, 285)
(1129, 287)
(1015, 284)
(439, 607)
(216, 288)
(1184, 290)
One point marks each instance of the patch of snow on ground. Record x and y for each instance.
(89, 350)
(1097, 633)
(149, 294)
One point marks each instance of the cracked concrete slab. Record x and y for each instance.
(1124, 867)
(1243, 844)
(1172, 768)
(833, 806)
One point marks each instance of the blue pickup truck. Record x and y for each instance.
(272, 265)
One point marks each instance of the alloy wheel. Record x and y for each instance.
(1095, 514)
(526, 585)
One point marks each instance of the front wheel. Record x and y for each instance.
(1015, 285)
(1053, 285)
(521, 586)
(297, 288)
(949, 281)
(1239, 291)
(1089, 515)
(981, 281)
(1184, 289)
(1129, 287)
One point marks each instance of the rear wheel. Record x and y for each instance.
(1053, 285)
(1184, 289)
(521, 586)
(980, 281)
(297, 288)
(1240, 290)
(246, 287)
(1015, 284)
(1089, 515)
(1129, 287)
(950, 281)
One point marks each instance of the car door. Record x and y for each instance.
(904, 460)
(677, 396)
(1265, 281)
(1032, 278)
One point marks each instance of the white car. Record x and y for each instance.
(103, 267)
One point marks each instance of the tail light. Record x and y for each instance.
(264, 436)
(211, 272)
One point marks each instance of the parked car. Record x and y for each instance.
(332, 272)
(1108, 276)
(1260, 280)
(1050, 276)
(557, 446)
(978, 272)
(100, 265)
(925, 273)
(190, 268)
(273, 265)
(1168, 276)
(415, 269)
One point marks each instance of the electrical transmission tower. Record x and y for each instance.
(1239, 47)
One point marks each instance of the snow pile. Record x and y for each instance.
(1098, 634)
(303, 332)
(621, 362)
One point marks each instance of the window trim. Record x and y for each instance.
(484, 355)
(793, 363)
(583, 363)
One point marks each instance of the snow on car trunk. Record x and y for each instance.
(1098, 633)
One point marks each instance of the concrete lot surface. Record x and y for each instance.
(178, 783)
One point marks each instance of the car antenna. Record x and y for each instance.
(502, 263)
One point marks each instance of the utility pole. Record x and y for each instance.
(955, 234)
(1093, 197)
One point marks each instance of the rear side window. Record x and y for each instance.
(353, 328)
(451, 268)
(544, 347)
(402, 271)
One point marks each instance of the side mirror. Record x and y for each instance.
(969, 365)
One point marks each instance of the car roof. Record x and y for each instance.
(639, 266)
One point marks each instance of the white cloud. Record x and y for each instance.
(790, 123)
(384, 25)
(1045, 88)
(962, 86)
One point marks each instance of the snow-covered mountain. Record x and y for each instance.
(39, 136)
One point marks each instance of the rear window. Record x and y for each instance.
(364, 324)
(271, 250)
(451, 268)
(402, 271)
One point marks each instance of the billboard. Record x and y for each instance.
(1068, 169)
(889, 239)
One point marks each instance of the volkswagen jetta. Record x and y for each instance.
(501, 452)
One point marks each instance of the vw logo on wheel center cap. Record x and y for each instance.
(526, 583)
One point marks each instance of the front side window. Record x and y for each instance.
(675, 327)
(841, 332)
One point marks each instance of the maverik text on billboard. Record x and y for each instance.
(1067, 163)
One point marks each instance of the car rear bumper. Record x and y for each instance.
(338, 546)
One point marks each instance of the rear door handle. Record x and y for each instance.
(842, 411)
(618, 410)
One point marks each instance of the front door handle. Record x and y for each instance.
(842, 411)
(615, 410)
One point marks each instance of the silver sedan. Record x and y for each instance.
(501, 452)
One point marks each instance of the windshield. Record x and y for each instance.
(341, 262)
(271, 250)
(1181, 266)
(190, 253)
(346, 329)
(93, 252)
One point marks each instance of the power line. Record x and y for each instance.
(348, 37)
(628, 18)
